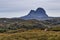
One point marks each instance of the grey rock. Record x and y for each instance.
(39, 14)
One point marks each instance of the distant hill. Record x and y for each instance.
(39, 14)
(7, 24)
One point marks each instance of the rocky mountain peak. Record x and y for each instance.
(40, 10)
(39, 13)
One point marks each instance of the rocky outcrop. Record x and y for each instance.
(39, 14)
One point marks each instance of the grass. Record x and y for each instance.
(31, 35)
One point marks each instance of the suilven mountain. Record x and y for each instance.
(38, 14)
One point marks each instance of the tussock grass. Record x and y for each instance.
(31, 35)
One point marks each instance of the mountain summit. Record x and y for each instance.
(39, 14)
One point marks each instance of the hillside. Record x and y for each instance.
(7, 24)
(31, 35)
(19, 29)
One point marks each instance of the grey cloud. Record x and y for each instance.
(24, 6)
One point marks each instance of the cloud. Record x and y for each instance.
(22, 7)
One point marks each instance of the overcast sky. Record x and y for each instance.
(18, 8)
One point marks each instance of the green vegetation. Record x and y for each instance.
(15, 24)
(31, 35)
(19, 29)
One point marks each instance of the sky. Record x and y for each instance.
(18, 8)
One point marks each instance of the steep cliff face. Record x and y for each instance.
(39, 14)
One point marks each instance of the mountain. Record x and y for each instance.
(39, 14)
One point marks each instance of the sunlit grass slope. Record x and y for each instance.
(31, 35)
